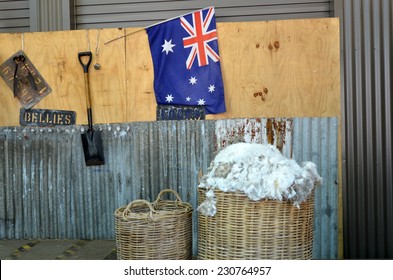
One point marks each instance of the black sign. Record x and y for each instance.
(43, 117)
(171, 112)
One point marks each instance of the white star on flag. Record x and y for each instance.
(193, 80)
(201, 102)
(212, 88)
(167, 46)
(186, 61)
(169, 98)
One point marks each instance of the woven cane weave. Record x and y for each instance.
(154, 231)
(249, 230)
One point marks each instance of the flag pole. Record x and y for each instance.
(154, 24)
(125, 35)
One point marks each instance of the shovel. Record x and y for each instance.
(91, 140)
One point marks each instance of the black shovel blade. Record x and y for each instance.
(92, 148)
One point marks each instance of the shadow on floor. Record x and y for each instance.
(50, 249)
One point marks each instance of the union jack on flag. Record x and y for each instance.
(187, 69)
(199, 38)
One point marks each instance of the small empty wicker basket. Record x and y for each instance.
(246, 229)
(154, 231)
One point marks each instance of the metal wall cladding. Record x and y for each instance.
(14, 16)
(367, 65)
(316, 140)
(46, 191)
(126, 13)
(50, 15)
(36, 15)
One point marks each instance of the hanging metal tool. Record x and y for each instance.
(91, 140)
(24, 80)
(22, 74)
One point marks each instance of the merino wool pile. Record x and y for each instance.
(259, 171)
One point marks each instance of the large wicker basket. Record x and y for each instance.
(246, 229)
(151, 231)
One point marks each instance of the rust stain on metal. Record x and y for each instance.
(270, 131)
(276, 132)
(247, 130)
(280, 128)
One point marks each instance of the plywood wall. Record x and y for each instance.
(294, 64)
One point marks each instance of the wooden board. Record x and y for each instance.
(141, 102)
(294, 65)
(287, 68)
(55, 54)
(9, 106)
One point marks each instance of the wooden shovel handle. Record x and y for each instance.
(85, 66)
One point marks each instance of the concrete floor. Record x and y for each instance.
(57, 249)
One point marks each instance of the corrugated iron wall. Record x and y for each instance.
(127, 13)
(51, 15)
(14, 16)
(36, 15)
(367, 75)
(316, 140)
(46, 191)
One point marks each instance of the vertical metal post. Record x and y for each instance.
(51, 15)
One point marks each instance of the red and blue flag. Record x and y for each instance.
(187, 69)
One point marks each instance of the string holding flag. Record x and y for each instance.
(187, 69)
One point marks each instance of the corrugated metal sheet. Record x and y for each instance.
(46, 191)
(36, 15)
(50, 15)
(14, 16)
(316, 140)
(275, 131)
(367, 44)
(123, 13)
(45, 15)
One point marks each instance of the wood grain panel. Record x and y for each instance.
(141, 102)
(287, 68)
(293, 64)
(55, 55)
(9, 106)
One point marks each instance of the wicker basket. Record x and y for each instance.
(246, 229)
(151, 231)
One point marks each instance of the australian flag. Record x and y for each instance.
(186, 61)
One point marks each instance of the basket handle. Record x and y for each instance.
(140, 201)
(168, 191)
